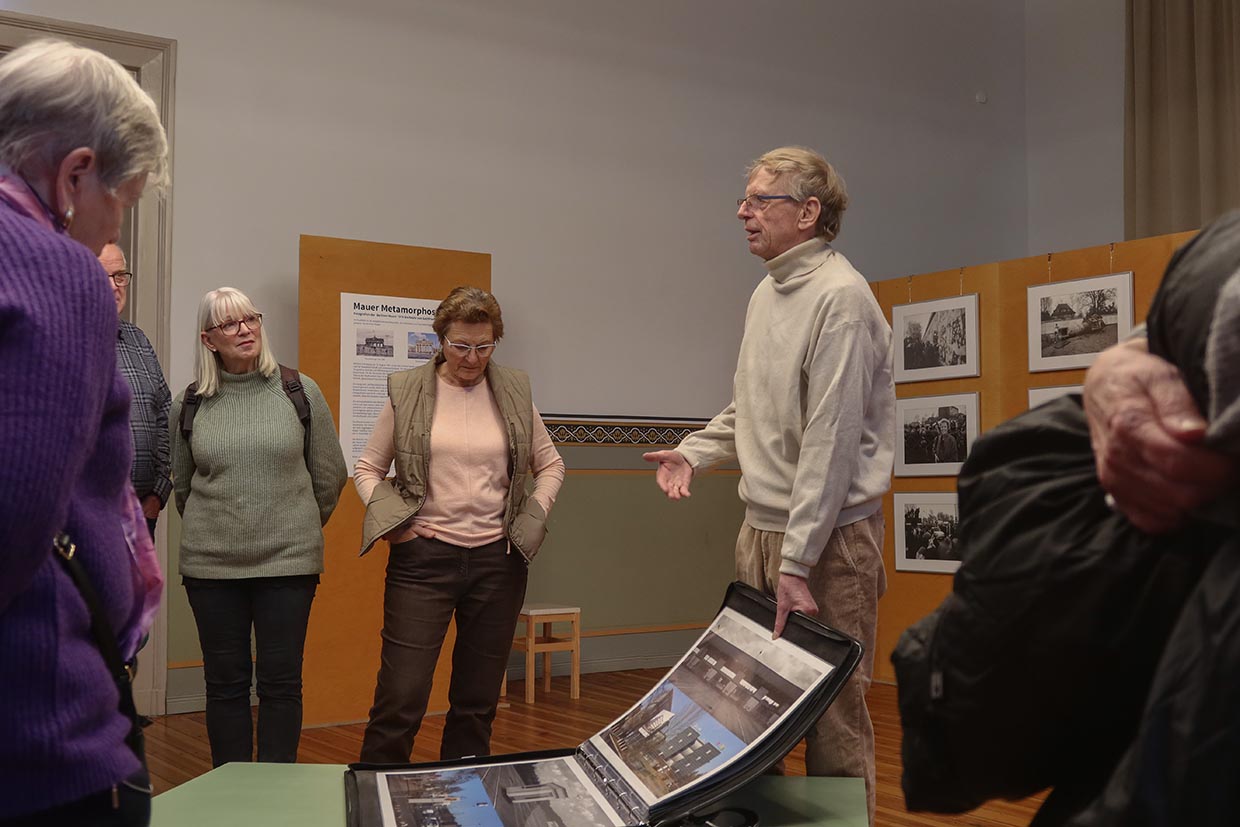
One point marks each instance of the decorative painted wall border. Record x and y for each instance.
(583, 430)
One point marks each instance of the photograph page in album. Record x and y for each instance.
(725, 695)
(554, 792)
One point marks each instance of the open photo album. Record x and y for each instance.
(731, 707)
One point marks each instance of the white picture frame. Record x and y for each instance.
(921, 449)
(937, 517)
(1040, 396)
(936, 339)
(1071, 322)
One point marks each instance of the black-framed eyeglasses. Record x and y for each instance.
(463, 349)
(231, 327)
(758, 203)
(121, 278)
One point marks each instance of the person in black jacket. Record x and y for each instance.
(1183, 762)
(1079, 650)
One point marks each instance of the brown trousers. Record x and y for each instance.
(846, 584)
(429, 583)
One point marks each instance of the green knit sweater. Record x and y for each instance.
(253, 504)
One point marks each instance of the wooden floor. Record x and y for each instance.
(177, 744)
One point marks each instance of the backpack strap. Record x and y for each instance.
(291, 380)
(189, 408)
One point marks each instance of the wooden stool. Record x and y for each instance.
(547, 614)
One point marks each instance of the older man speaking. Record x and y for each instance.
(812, 424)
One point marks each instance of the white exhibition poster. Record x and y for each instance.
(378, 335)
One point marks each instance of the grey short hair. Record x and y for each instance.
(213, 309)
(56, 97)
(809, 175)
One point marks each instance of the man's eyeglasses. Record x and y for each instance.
(121, 278)
(463, 349)
(231, 327)
(758, 203)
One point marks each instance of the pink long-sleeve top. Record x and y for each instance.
(468, 484)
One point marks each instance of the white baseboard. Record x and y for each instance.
(149, 702)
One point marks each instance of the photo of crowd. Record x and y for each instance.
(933, 340)
(936, 339)
(935, 435)
(928, 534)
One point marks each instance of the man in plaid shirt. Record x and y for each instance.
(148, 413)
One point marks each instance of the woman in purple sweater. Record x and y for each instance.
(79, 141)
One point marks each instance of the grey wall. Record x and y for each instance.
(1074, 92)
(595, 149)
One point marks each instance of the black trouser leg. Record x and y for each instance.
(222, 611)
(281, 616)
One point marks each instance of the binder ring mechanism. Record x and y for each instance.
(737, 817)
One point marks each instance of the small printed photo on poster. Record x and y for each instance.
(375, 341)
(936, 339)
(1071, 322)
(927, 532)
(422, 346)
(1040, 396)
(936, 434)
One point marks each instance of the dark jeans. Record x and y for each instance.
(427, 582)
(278, 610)
(128, 806)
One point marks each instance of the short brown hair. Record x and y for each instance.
(809, 174)
(468, 305)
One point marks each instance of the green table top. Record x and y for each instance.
(312, 795)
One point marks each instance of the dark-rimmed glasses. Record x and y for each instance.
(232, 327)
(121, 278)
(758, 203)
(463, 349)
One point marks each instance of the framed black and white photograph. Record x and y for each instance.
(927, 533)
(1040, 396)
(936, 339)
(1071, 322)
(935, 434)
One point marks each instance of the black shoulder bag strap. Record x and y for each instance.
(105, 639)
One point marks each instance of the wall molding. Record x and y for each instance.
(569, 429)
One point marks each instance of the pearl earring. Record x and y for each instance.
(67, 221)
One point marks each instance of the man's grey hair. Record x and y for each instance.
(808, 175)
(56, 97)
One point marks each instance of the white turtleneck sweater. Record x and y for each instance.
(812, 418)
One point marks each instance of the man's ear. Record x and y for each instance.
(811, 208)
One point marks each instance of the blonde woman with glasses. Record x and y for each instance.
(254, 483)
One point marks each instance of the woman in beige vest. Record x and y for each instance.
(462, 527)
